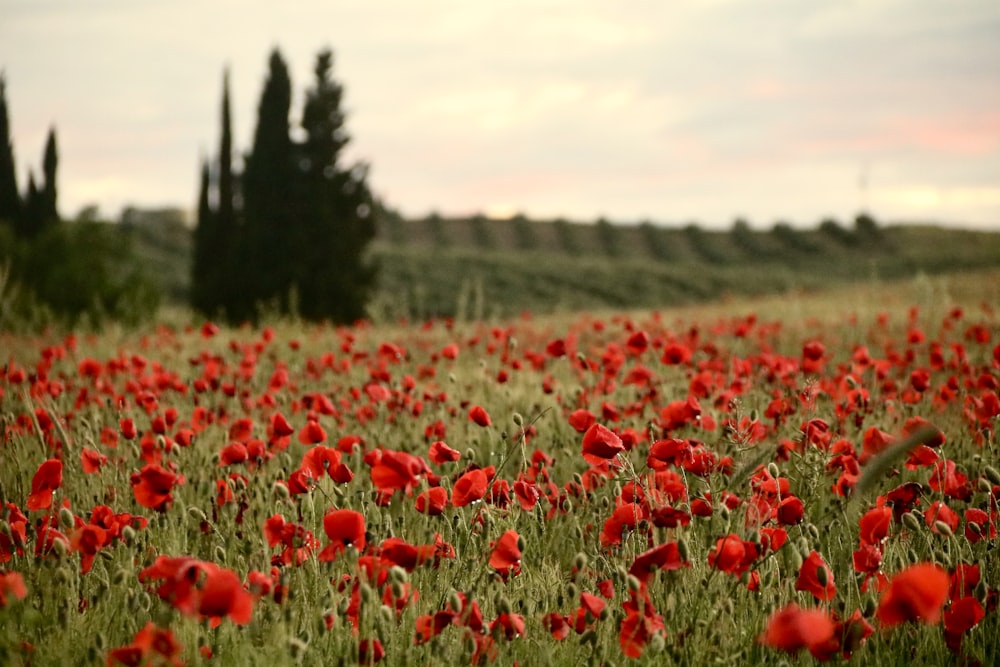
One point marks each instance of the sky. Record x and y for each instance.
(673, 112)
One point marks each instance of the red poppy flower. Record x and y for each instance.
(432, 501)
(581, 420)
(152, 486)
(441, 453)
(641, 623)
(791, 629)
(469, 488)
(11, 585)
(128, 429)
(732, 554)
(667, 556)
(979, 525)
(916, 594)
(506, 555)
(222, 594)
(874, 525)
(600, 445)
(624, 517)
(790, 511)
(312, 433)
(963, 615)
(556, 625)
(479, 416)
(47, 479)
(92, 460)
(815, 577)
(344, 528)
(429, 626)
(392, 470)
(150, 641)
(510, 625)
(233, 453)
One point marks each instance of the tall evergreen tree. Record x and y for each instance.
(29, 225)
(333, 275)
(227, 191)
(10, 198)
(204, 294)
(265, 259)
(50, 162)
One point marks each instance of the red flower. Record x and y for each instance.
(790, 511)
(916, 594)
(148, 642)
(625, 517)
(440, 453)
(47, 479)
(641, 623)
(732, 554)
(978, 525)
(11, 584)
(791, 629)
(392, 470)
(344, 528)
(152, 486)
(479, 415)
(432, 501)
(963, 615)
(469, 488)
(312, 433)
(816, 578)
(557, 625)
(506, 555)
(92, 460)
(581, 420)
(128, 429)
(875, 525)
(667, 556)
(600, 445)
(233, 453)
(202, 588)
(370, 651)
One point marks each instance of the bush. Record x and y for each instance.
(78, 273)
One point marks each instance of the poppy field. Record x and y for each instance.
(801, 480)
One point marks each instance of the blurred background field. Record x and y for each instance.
(479, 267)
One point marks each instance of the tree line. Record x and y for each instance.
(288, 233)
(53, 271)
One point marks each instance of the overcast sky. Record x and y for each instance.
(673, 111)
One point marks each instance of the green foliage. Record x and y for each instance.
(78, 274)
(703, 244)
(482, 233)
(525, 234)
(835, 231)
(794, 240)
(656, 241)
(568, 235)
(609, 238)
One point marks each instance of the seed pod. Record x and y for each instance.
(992, 474)
(943, 528)
(911, 522)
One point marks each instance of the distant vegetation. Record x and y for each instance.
(464, 267)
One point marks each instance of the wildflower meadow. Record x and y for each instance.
(787, 481)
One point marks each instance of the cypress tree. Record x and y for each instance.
(265, 261)
(10, 199)
(227, 202)
(50, 162)
(334, 277)
(204, 294)
(30, 223)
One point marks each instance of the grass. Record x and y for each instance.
(399, 387)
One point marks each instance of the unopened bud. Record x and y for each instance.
(943, 528)
(66, 518)
(911, 522)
